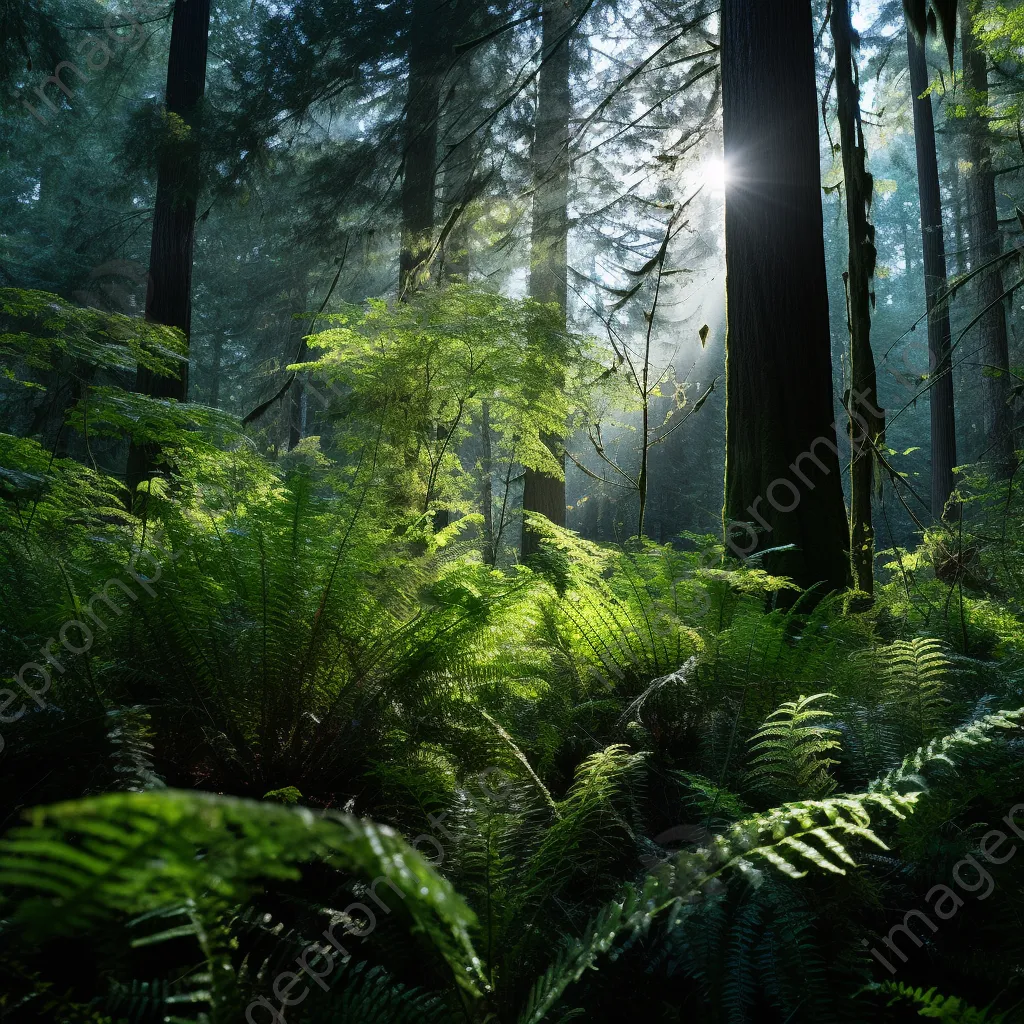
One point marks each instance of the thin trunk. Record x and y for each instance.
(985, 246)
(169, 296)
(904, 228)
(779, 414)
(419, 177)
(427, 60)
(296, 417)
(550, 231)
(958, 216)
(940, 362)
(456, 192)
(863, 398)
(490, 553)
(645, 454)
(216, 369)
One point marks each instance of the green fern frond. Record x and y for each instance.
(81, 862)
(370, 995)
(790, 750)
(935, 1006)
(792, 838)
(940, 754)
(131, 736)
(915, 673)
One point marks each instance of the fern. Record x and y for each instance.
(81, 862)
(792, 838)
(790, 750)
(915, 673)
(935, 1006)
(131, 737)
(940, 754)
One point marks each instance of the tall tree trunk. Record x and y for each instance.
(550, 232)
(986, 246)
(296, 415)
(863, 398)
(958, 217)
(457, 188)
(490, 553)
(169, 296)
(419, 176)
(779, 408)
(940, 362)
(216, 369)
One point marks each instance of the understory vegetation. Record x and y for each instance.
(283, 720)
(511, 512)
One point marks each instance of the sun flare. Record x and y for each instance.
(715, 174)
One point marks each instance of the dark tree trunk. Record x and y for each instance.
(867, 426)
(428, 57)
(550, 232)
(985, 247)
(457, 188)
(419, 175)
(782, 468)
(169, 296)
(940, 362)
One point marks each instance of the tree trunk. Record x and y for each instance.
(169, 295)
(296, 415)
(779, 407)
(550, 231)
(986, 246)
(457, 188)
(863, 407)
(490, 553)
(958, 217)
(216, 369)
(427, 55)
(940, 362)
(419, 177)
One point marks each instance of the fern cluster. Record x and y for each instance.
(618, 780)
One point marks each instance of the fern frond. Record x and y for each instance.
(81, 862)
(915, 673)
(131, 736)
(932, 1004)
(792, 838)
(940, 754)
(791, 750)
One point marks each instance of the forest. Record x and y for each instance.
(511, 511)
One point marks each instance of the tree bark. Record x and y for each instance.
(985, 246)
(216, 369)
(863, 398)
(296, 415)
(550, 232)
(490, 553)
(959, 235)
(779, 406)
(940, 362)
(169, 295)
(419, 176)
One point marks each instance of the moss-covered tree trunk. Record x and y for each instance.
(550, 232)
(940, 362)
(985, 246)
(867, 425)
(169, 295)
(783, 481)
